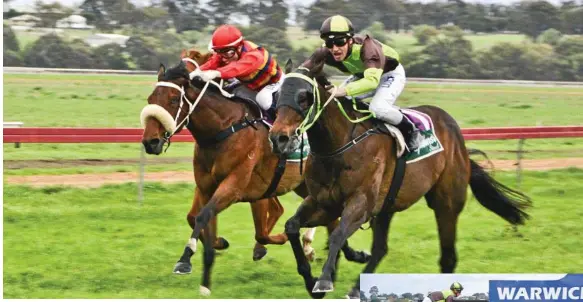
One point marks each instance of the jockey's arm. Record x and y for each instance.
(212, 63)
(248, 63)
(374, 60)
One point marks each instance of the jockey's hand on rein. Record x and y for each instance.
(209, 75)
(340, 91)
(195, 73)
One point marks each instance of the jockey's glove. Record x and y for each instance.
(195, 73)
(336, 91)
(209, 75)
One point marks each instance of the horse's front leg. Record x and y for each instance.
(307, 215)
(228, 192)
(183, 266)
(353, 216)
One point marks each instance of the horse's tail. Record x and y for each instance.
(496, 197)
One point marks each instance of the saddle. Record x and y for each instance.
(242, 93)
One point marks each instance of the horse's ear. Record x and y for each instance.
(161, 71)
(288, 66)
(183, 53)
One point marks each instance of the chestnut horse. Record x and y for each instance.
(349, 177)
(232, 161)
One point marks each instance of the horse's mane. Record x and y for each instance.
(180, 71)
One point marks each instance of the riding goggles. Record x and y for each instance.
(227, 52)
(338, 42)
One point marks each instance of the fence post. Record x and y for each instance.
(519, 162)
(141, 176)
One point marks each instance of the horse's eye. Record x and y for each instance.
(175, 100)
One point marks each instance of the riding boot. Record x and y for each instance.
(410, 133)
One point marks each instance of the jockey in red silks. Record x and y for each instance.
(251, 65)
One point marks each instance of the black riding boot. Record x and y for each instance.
(410, 133)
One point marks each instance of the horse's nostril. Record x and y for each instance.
(154, 142)
(283, 139)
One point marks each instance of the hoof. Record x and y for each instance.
(259, 253)
(222, 244)
(323, 286)
(182, 268)
(205, 291)
(353, 294)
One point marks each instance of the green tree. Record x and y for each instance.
(537, 17)
(221, 10)
(10, 41)
(572, 20)
(452, 31)
(112, 55)
(12, 58)
(377, 31)
(187, 15)
(142, 54)
(51, 51)
(274, 40)
(108, 14)
(442, 58)
(550, 36)
(424, 33)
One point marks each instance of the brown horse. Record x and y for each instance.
(349, 177)
(232, 161)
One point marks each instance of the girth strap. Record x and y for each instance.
(396, 182)
(223, 134)
(279, 170)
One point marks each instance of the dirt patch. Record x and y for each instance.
(96, 180)
(99, 179)
(68, 163)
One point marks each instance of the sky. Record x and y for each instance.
(20, 4)
(424, 283)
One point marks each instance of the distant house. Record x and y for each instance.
(24, 21)
(97, 40)
(75, 22)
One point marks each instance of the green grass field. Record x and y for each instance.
(116, 101)
(99, 243)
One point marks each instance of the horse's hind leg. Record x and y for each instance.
(266, 212)
(309, 234)
(447, 199)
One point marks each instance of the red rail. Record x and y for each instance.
(134, 135)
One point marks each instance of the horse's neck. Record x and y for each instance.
(332, 130)
(214, 114)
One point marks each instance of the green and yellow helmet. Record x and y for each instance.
(335, 27)
(457, 286)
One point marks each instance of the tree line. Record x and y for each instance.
(446, 53)
(527, 17)
(443, 51)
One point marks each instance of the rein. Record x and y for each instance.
(184, 99)
(315, 108)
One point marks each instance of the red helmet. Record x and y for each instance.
(226, 36)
